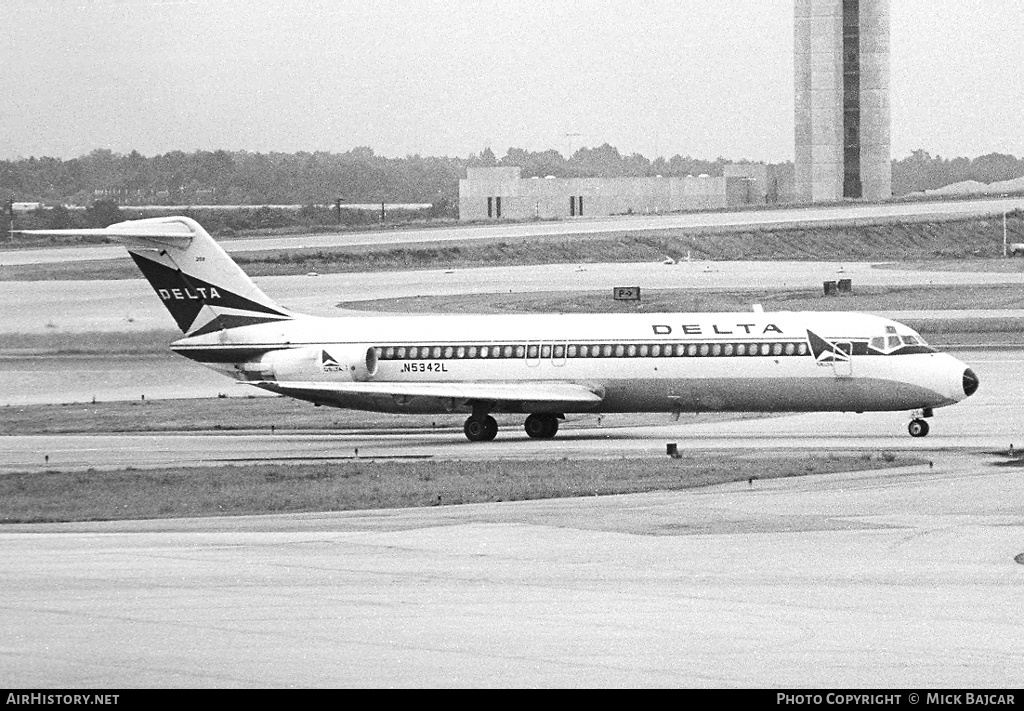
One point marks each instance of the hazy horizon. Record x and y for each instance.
(693, 77)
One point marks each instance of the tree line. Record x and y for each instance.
(361, 176)
(921, 171)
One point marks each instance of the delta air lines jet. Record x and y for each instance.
(542, 366)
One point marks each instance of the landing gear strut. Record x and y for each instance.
(480, 428)
(918, 427)
(542, 426)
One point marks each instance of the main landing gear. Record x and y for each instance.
(918, 427)
(543, 426)
(481, 427)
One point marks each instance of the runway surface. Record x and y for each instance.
(832, 214)
(903, 578)
(57, 380)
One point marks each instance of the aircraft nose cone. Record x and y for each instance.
(970, 382)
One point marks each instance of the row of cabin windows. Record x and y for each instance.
(598, 350)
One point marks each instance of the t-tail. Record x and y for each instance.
(198, 282)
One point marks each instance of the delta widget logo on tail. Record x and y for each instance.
(186, 295)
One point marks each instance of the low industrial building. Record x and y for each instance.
(502, 194)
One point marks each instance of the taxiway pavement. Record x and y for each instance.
(130, 306)
(896, 579)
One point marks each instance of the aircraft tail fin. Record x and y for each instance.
(199, 284)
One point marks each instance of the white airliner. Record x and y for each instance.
(542, 366)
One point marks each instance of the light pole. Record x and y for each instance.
(1004, 234)
(569, 137)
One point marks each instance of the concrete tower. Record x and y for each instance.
(842, 100)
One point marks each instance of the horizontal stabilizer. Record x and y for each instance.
(140, 233)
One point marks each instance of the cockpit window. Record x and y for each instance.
(893, 341)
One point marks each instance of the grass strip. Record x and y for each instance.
(55, 496)
(958, 240)
(867, 299)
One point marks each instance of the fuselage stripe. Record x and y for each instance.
(536, 351)
(539, 351)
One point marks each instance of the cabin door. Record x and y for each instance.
(553, 352)
(842, 362)
(533, 354)
(558, 354)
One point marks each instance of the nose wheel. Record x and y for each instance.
(918, 428)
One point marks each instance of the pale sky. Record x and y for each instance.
(704, 78)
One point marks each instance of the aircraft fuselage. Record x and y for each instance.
(682, 362)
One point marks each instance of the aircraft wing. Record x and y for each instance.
(538, 395)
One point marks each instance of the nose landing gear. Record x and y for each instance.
(918, 427)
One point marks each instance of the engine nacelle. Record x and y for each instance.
(345, 363)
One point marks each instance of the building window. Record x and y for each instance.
(575, 206)
(490, 207)
(852, 187)
(497, 207)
